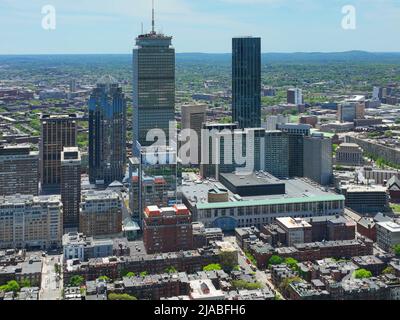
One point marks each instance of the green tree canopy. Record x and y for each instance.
(251, 258)
(212, 267)
(286, 282)
(76, 281)
(144, 273)
(171, 270)
(25, 283)
(130, 274)
(362, 274)
(292, 263)
(396, 250)
(245, 285)
(11, 286)
(228, 261)
(274, 260)
(388, 270)
(124, 296)
(236, 268)
(104, 278)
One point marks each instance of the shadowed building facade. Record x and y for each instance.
(71, 187)
(246, 82)
(318, 159)
(57, 132)
(19, 167)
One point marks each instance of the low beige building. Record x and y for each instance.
(350, 154)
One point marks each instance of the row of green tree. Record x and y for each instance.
(15, 286)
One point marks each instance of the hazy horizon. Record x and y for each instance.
(205, 53)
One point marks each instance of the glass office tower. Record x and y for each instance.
(246, 82)
(107, 127)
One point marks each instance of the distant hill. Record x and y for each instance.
(210, 58)
(348, 56)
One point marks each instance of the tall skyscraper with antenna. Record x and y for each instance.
(153, 85)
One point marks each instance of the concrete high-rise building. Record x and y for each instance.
(57, 132)
(375, 93)
(71, 187)
(365, 198)
(277, 153)
(153, 86)
(388, 235)
(346, 112)
(19, 168)
(318, 159)
(273, 122)
(246, 82)
(193, 117)
(167, 229)
(296, 133)
(352, 109)
(259, 150)
(107, 132)
(249, 144)
(295, 96)
(100, 213)
(30, 222)
(209, 152)
(72, 85)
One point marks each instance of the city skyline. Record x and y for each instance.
(300, 26)
(297, 192)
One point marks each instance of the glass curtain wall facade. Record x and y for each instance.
(246, 82)
(107, 127)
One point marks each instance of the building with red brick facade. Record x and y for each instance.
(167, 229)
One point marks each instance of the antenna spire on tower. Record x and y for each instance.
(152, 20)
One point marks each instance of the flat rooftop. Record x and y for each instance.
(252, 179)
(351, 145)
(390, 225)
(291, 223)
(195, 190)
(364, 188)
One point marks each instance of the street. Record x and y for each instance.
(51, 286)
(261, 276)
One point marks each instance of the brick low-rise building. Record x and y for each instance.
(114, 267)
(313, 251)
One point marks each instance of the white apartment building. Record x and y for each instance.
(33, 222)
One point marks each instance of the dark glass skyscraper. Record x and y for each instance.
(57, 132)
(107, 126)
(153, 86)
(246, 82)
(71, 187)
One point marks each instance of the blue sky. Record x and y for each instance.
(110, 26)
